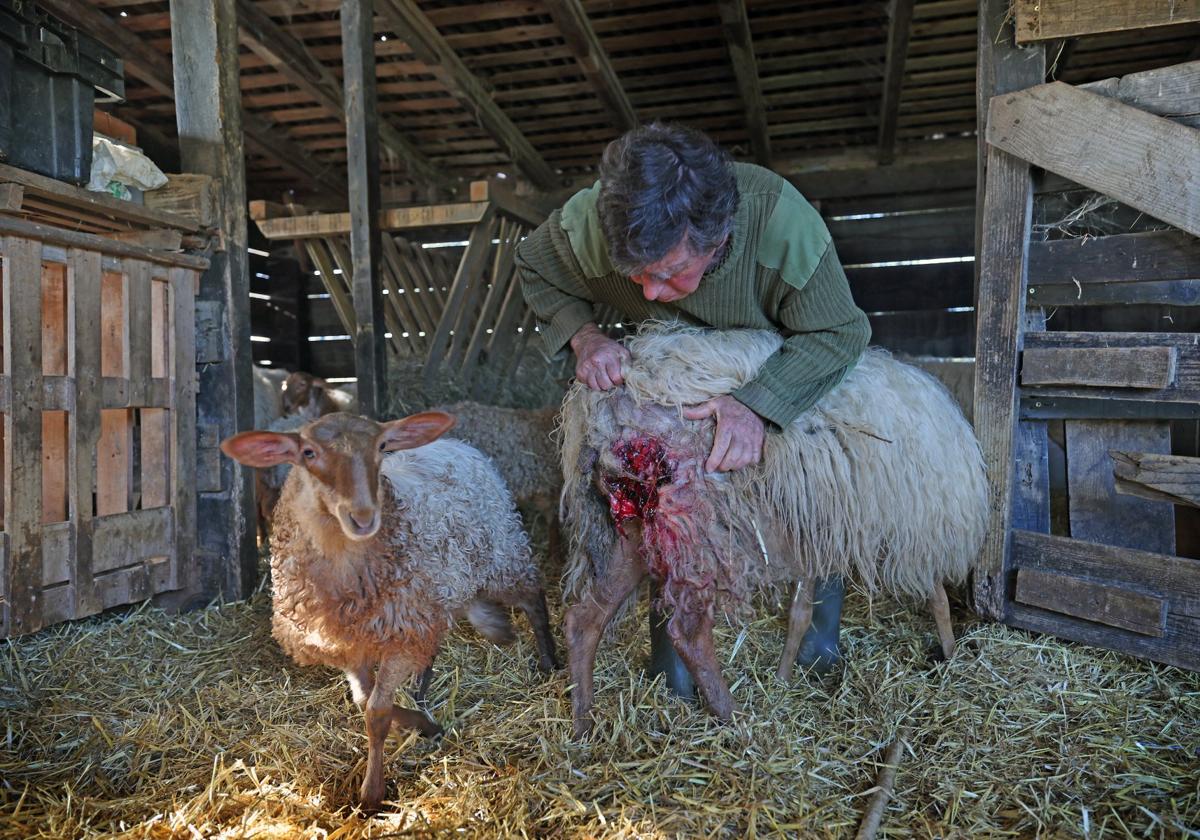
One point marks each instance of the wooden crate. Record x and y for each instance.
(98, 403)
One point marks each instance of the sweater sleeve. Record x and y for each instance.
(824, 333)
(552, 285)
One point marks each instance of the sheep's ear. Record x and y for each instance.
(414, 431)
(263, 449)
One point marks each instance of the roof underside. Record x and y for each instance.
(820, 66)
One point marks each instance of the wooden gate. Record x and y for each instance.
(98, 398)
(1106, 570)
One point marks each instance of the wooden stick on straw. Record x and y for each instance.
(883, 788)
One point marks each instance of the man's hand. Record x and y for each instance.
(739, 437)
(598, 359)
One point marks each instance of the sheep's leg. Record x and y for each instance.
(585, 623)
(534, 607)
(381, 713)
(362, 683)
(422, 687)
(693, 639)
(939, 605)
(799, 619)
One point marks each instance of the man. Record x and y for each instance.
(673, 230)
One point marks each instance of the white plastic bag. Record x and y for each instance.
(115, 167)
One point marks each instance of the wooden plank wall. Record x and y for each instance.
(98, 500)
(916, 308)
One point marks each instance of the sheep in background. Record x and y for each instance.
(268, 395)
(312, 397)
(521, 444)
(368, 575)
(882, 479)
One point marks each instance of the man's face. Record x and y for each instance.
(676, 275)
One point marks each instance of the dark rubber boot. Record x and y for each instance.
(664, 659)
(819, 648)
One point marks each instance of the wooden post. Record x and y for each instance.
(204, 37)
(1002, 67)
(362, 149)
(1002, 285)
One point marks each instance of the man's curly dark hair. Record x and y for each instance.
(658, 184)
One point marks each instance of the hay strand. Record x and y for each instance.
(883, 788)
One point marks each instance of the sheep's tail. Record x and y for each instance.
(492, 621)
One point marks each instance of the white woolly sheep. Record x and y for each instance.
(522, 445)
(268, 395)
(369, 575)
(882, 480)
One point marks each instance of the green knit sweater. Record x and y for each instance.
(780, 273)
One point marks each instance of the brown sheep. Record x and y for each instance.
(368, 575)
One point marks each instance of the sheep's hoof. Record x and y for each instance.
(936, 655)
(370, 798)
(583, 728)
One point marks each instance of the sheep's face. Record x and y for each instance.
(341, 455)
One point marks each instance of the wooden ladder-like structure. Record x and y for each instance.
(1116, 580)
(456, 316)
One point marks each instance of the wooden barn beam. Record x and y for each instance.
(1001, 67)
(571, 19)
(397, 218)
(1148, 162)
(209, 115)
(947, 165)
(735, 27)
(362, 165)
(1043, 20)
(287, 54)
(411, 24)
(152, 67)
(900, 12)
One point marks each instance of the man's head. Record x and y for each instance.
(667, 200)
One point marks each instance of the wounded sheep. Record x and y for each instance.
(882, 480)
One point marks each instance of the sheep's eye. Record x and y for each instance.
(310, 453)
(383, 447)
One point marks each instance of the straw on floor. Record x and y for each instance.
(144, 724)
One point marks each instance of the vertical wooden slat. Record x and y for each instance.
(85, 356)
(502, 276)
(470, 267)
(318, 252)
(137, 283)
(182, 333)
(1002, 285)
(23, 433)
(113, 456)
(1031, 457)
(412, 279)
(54, 363)
(472, 299)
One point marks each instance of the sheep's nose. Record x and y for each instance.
(363, 520)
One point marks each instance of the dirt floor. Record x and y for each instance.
(141, 724)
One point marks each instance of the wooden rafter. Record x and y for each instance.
(900, 12)
(735, 26)
(292, 59)
(572, 20)
(428, 44)
(154, 68)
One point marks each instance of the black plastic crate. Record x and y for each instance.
(50, 74)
